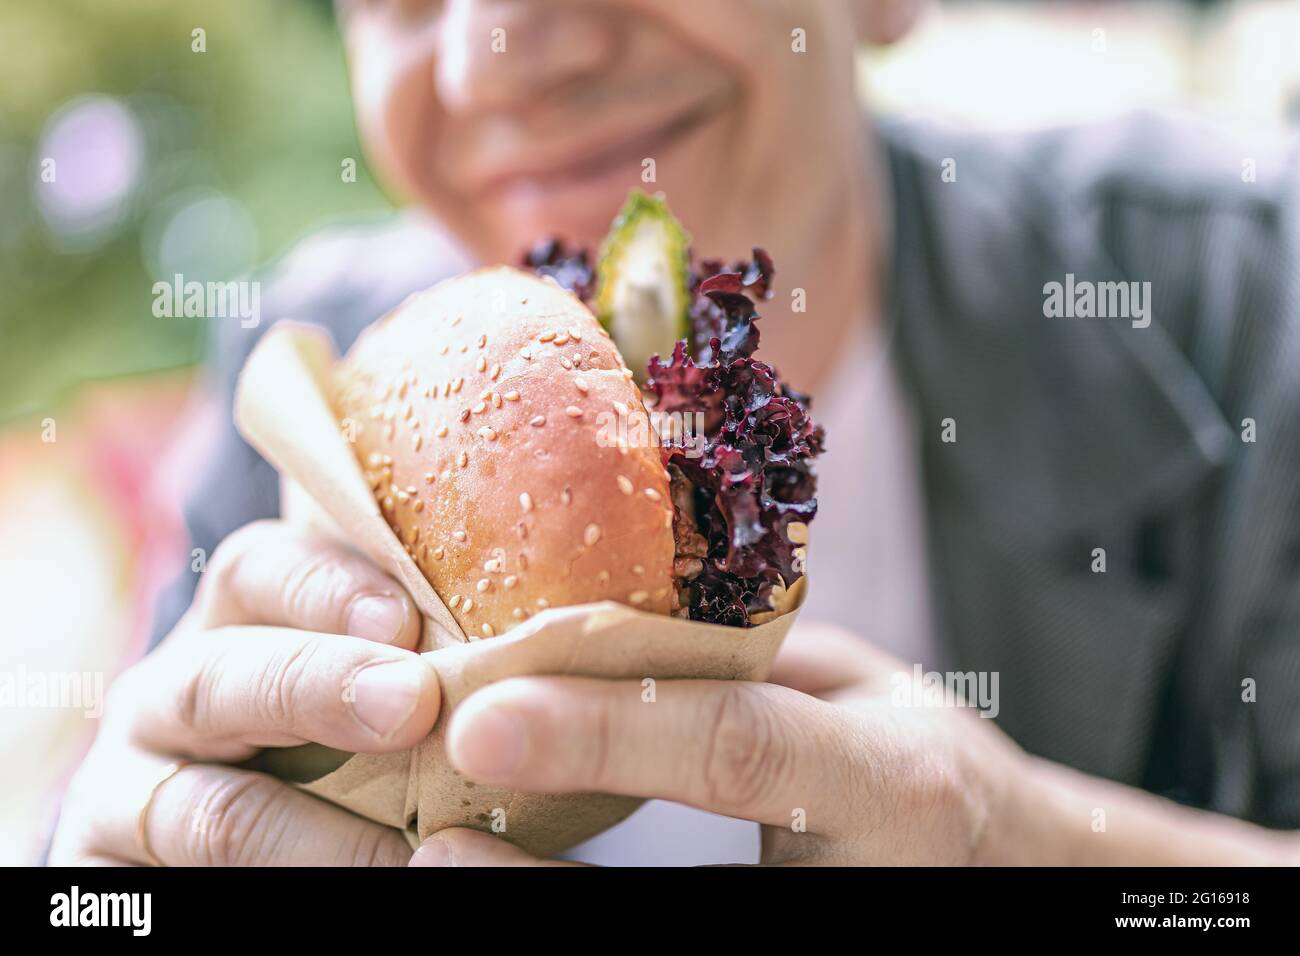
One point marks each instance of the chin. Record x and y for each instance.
(576, 210)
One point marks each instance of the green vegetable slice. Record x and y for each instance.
(642, 295)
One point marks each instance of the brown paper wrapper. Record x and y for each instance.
(282, 408)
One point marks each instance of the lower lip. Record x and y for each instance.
(616, 169)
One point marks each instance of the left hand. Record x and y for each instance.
(833, 770)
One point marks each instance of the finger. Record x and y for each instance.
(755, 751)
(822, 659)
(208, 815)
(271, 573)
(244, 688)
(464, 847)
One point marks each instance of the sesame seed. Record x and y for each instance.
(455, 600)
(469, 605)
(482, 341)
(417, 441)
(653, 495)
(591, 535)
(527, 353)
(566, 363)
(456, 321)
(546, 337)
(428, 477)
(538, 421)
(523, 561)
(510, 581)
(458, 535)
(487, 630)
(575, 335)
(442, 430)
(403, 497)
(624, 484)
(456, 385)
(638, 570)
(580, 385)
(562, 338)
(496, 372)
(401, 391)
(479, 408)
(573, 411)
(464, 349)
(517, 614)
(463, 460)
(638, 597)
(487, 393)
(481, 364)
(526, 501)
(483, 584)
(464, 414)
(496, 399)
(543, 603)
(627, 373)
(419, 504)
(438, 553)
(443, 350)
(488, 432)
(374, 460)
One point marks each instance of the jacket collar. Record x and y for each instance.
(1061, 422)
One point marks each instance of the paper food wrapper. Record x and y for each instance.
(282, 409)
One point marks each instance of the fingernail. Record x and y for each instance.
(492, 744)
(432, 852)
(385, 695)
(376, 617)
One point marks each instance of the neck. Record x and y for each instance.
(833, 253)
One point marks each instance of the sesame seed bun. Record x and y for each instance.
(482, 414)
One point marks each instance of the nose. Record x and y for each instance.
(500, 54)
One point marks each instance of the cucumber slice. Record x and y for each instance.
(642, 295)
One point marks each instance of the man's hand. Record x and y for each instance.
(291, 639)
(834, 772)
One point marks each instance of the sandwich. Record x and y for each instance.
(561, 434)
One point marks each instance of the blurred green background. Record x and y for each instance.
(165, 160)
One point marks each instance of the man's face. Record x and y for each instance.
(513, 120)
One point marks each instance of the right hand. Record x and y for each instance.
(259, 661)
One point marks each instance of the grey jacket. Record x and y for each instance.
(1177, 668)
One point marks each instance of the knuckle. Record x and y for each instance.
(317, 591)
(282, 686)
(232, 819)
(196, 691)
(374, 846)
(747, 752)
(220, 581)
(599, 756)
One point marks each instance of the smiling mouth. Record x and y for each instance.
(606, 158)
